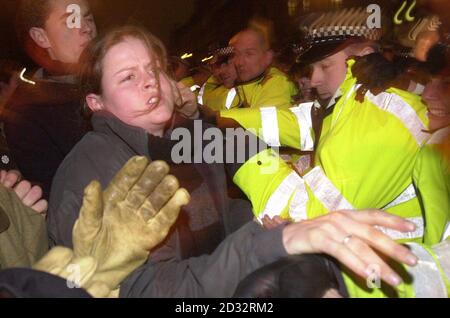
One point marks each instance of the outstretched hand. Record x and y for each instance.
(353, 239)
(119, 226)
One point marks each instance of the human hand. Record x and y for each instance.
(270, 223)
(187, 101)
(353, 239)
(31, 196)
(77, 271)
(119, 227)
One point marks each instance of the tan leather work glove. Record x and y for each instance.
(78, 272)
(117, 228)
(120, 226)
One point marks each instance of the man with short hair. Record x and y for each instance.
(42, 118)
(260, 85)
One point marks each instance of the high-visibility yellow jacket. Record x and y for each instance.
(188, 81)
(274, 89)
(365, 158)
(217, 97)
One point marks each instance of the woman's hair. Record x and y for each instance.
(91, 61)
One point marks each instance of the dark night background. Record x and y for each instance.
(192, 25)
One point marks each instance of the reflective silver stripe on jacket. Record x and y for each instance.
(442, 252)
(200, 94)
(230, 98)
(446, 232)
(426, 277)
(269, 121)
(325, 191)
(395, 105)
(280, 198)
(408, 194)
(303, 114)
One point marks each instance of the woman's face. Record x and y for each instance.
(135, 89)
(437, 97)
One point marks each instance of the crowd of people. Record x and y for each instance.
(358, 204)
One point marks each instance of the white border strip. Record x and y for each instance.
(269, 121)
(303, 114)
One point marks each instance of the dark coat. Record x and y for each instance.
(170, 271)
(42, 124)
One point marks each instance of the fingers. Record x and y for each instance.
(381, 218)
(344, 255)
(188, 106)
(352, 242)
(146, 184)
(269, 223)
(163, 192)
(41, 207)
(32, 196)
(159, 226)
(125, 179)
(91, 212)
(377, 239)
(10, 178)
(55, 260)
(22, 189)
(90, 220)
(99, 290)
(355, 254)
(374, 265)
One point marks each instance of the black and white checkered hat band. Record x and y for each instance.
(345, 32)
(224, 51)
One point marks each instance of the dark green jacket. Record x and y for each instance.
(23, 234)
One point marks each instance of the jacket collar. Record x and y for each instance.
(136, 138)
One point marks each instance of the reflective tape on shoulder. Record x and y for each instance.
(303, 114)
(395, 105)
(269, 121)
(325, 191)
(426, 277)
(230, 98)
(280, 198)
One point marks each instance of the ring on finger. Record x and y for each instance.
(347, 239)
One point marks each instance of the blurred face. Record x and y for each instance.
(304, 85)
(437, 97)
(66, 44)
(225, 73)
(328, 74)
(250, 57)
(135, 89)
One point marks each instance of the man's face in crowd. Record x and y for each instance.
(328, 74)
(225, 73)
(65, 44)
(251, 58)
(437, 97)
